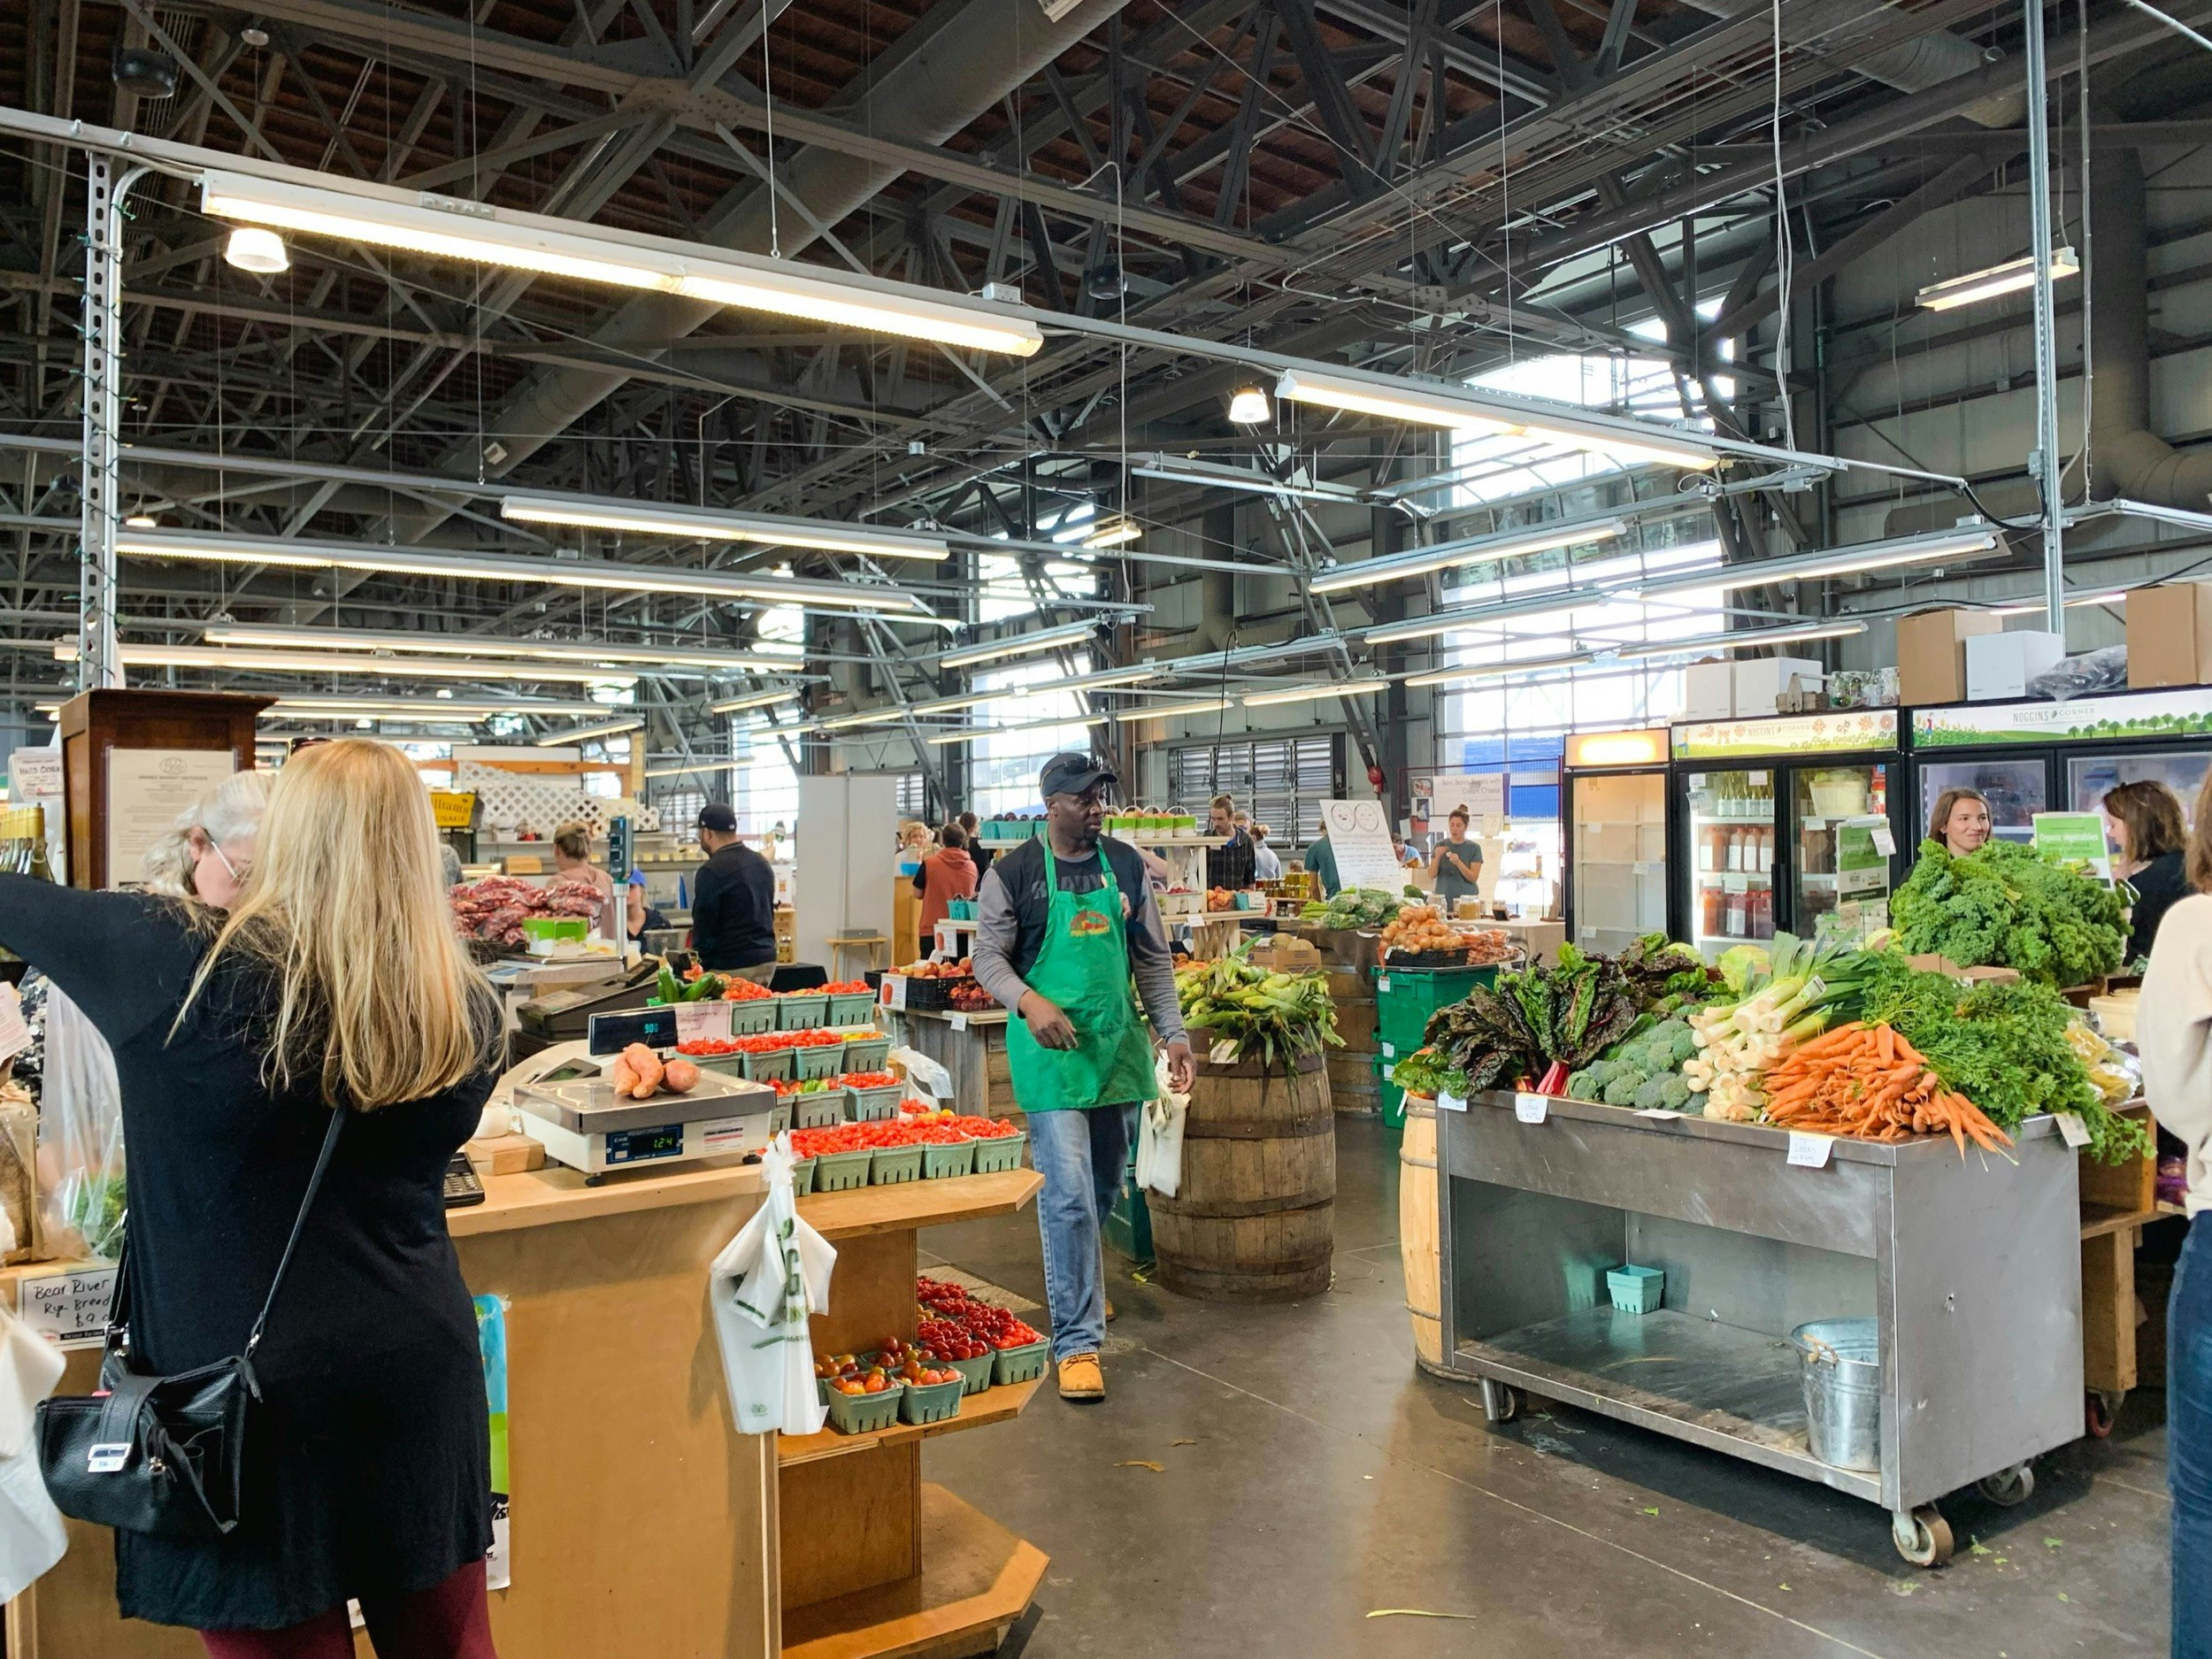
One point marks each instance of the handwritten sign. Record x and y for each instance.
(1810, 1152)
(1532, 1109)
(1359, 836)
(69, 1308)
(702, 1022)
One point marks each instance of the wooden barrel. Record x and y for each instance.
(1417, 1253)
(1354, 1086)
(1255, 1218)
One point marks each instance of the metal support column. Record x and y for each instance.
(2045, 464)
(97, 661)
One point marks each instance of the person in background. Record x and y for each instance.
(947, 875)
(1458, 865)
(336, 982)
(914, 846)
(1267, 864)
(448, 866)
(1408, 855)
(733, 901)
(2143, 821)
(209, 850)
(571, 862)
(639, 915)
(1068, 938)
(981, 853)
(1228, 866)
(1960, 821)
(2173, 1035)
(1321, 860)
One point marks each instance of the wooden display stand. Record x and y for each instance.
(2116, 1201)
(94, 723)
(644, 1526)
(974, 1052)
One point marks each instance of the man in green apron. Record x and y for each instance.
(1068, 938)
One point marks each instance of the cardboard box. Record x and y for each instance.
(1283, 952)
(1708, 691)
(2002, 664)
(1932, 653)
(2169, 635)
(1759, 682)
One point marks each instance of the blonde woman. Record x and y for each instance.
(206, 854)
(335, 981)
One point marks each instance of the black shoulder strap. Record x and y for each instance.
(299, 1224)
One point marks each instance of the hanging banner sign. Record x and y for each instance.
(2131, 715)
(1838, 732)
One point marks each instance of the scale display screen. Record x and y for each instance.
(634, 1146)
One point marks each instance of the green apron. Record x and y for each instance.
(1083, 966)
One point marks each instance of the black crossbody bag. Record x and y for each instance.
(164, 1455)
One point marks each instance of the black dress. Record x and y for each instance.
(368, 1467)
(2158, 885)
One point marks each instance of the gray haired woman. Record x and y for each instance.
(207, 852)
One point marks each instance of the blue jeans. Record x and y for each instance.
(2189, 1439)
(1082, 1156)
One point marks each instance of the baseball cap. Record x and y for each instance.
(637, 877)
(718, 817)
(1071, 773)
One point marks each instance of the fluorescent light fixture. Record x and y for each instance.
(755, 700)
(1018, 645)
(458, 228)
(1393, 398)
(1184, 470)
(1557, 602)
(1170, 710)
(480, 645)
(306, 706)
(1113, 533)
(2111, 596)
(1843, 561)
(972, 733)
(2008, 278)
(513, 567)
(234, 659)
(1743, 639)
(1478, 550)
(1248, 407)
(1493, 671)
(727, 763)
(251, 247)
(1313, 694)
(698, 525)
(584, 734)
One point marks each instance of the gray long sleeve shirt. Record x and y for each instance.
(1010, 910)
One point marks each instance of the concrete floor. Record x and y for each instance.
(1311, 1477)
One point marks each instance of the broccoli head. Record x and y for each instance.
(1674, 1092)
(1649, 1096)
(1599, 1073)
(1622, 1090)
(1580, 1088)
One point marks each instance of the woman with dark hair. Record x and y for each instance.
(2143, 821)
(1960, 821)
(1458, 865)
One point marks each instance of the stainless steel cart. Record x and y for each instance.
(1972, 1266)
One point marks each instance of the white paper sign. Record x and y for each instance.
(1810, 1152)
(702, 1022)
(894, 991)
(1885, 840)
(1388, 1052)
(1223, 1053)
(1660, 1112)
(1532, 1109)
(147, 790)
(1359, 835)
(1382, 982)
(15, 1036)
(69, 1308)
(34, 776)
(958, 1022)
(2072, 1130)
(1451, 1104)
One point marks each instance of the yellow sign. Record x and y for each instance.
(453, 808)
(1617, 749)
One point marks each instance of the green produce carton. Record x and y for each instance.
(823, 1059)
(800, 1010)
(930, 1403)
(895, 1166)
(866, 1414)
(841, 1171)
(940, 1161)
(768, 1066)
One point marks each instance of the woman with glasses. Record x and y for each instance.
(209, 851)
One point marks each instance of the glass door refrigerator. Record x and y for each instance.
(2031, 757)
(1614, 804)
(1784, 824)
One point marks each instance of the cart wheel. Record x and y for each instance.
(1922, 1537)
(1500, 1402)
(2007, 1487)
(2101, 1409)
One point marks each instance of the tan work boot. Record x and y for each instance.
(1081, 1378)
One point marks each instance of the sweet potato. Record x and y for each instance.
(647, 1065)
(622, 1077)
(679, 1077)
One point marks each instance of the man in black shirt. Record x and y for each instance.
(733, 901)
(1231, 866)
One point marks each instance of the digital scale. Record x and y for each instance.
(582, 1122)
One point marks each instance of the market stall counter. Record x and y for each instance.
(1968, 1266)
(642, 1524)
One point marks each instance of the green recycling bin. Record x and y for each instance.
(1404, 1000)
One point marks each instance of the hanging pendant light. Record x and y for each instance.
(251, 247)
(1248, 407)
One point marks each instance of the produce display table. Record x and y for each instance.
(1971, 1266)
(972, 1047)
(642, 1522)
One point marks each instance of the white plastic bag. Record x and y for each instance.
(80, 1136)
(31, 1535)
(1160, 1137)
(761, 1286)
(926, 1074)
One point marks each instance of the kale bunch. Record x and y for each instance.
(2008, 906)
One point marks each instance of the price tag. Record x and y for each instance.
(1388, 1052)
(1885, 840)
(1382, 982)
(1451, 1102)
(2072, 1130)
(958, 1022)
(1735, 883)
(894, 991)
(702, 1022)
(1532, 1109)
(1810, 1152)
(1757, 779)
(69, 1309)
(1816, 823)
(1660, 1112)
(1223, 1053)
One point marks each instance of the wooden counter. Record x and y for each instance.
(643, 1527)
(973, 1049)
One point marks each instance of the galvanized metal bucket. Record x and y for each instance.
(1840, 1363)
